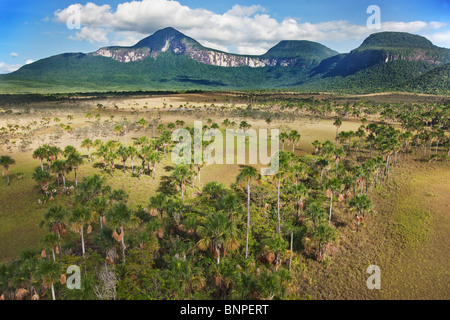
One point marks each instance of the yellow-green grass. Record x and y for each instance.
(20, 212)
(406, 236)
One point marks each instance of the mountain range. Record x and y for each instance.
(170, 60)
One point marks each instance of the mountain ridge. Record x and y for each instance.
(168, 59)
(170, 39)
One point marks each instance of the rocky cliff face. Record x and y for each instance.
(122, 54)
(417, 55)
(199, 54)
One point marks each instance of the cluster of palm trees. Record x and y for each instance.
(293, 137)
(58, 162)
(193, 247)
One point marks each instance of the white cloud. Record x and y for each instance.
(92, 35)
(250, 29)
(7, 68)
(29, 61)
(213, 45)
(14, 54)
(441, 39)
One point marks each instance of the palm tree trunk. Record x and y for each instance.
(53, 292)
(376, 180)
(388, 165)
(53, 254)
(278, 208)
(248, 218)
(7, 176)
(59, 244)
(82, 240)
(336, 139)
(123, 245)
(331, 206)
(42, 164)
(292, 244)
(76, 178)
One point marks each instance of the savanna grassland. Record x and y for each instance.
(167, 231)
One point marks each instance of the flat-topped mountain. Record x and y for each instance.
(170, 60)
(286, 53)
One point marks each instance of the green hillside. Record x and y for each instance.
(436, 81)
(384, 61)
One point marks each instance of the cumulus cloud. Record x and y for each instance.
(249, 29)
(441, 39)
(92, 35)
(14, 54)
(7, 68)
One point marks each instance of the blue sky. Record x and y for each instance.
(32, 30)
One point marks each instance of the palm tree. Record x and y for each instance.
(118, 216)
(316, 144)
(158, 203)
(100, 205)
(42, 177)
(298, 192)
(60, 167)
(333, 185)
(294, 136)
(283, 136)
(53, 152)
(324, 234)
(360, 203)
(218, 234)
(153, 158)
(248, 174)
(50, 273)
(74, 160)
(360, 133)
(81, 216)
(111, 155)
(87, 143)
(316, 212)
(54, 220)
(51, 241)
(6, 162)
(142, 123)
(123, 154)
(41, 153)
(283, 161)
(337, 123)
(181, 176)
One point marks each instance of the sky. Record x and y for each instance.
(34, 29)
